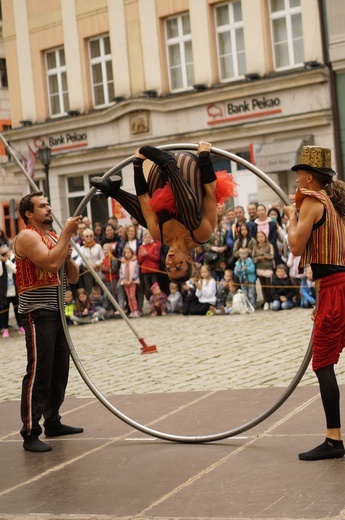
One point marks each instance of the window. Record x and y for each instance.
(179, 52)
(220, 163)
(244, 155)
(101, 71)
(77, 188)
(287, 35)
(3, 73)
(42, 185)
(76, 192)
(230, 40)
(57, 82)
(12, 223)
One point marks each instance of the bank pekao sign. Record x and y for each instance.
(63, 141)
(226, 112)
(67, 141)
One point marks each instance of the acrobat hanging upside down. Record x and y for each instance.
(177, 203)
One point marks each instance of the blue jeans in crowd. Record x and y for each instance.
(306, 303)
(277, 305)
(250, 292)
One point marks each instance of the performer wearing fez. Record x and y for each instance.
(177, 203)
(39, 255)
(318, 234)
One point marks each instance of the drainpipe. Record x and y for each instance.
(333, 91)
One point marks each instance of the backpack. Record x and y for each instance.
(241, 304)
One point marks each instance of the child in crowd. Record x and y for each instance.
(149, 254)
(223, 288)
(308, 292)
(244, 240)
(263, 258)
(174, 299)
(84, 311)
(188, 291)
(99, 302)
(158, 301)
(227, 307)
(282, 291)
(246, 274)
(129, 279)
(69, 306)
(205, 294)
(110, 268)
(233, 288)
(188, 288)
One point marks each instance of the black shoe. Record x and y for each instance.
(61, 429)
(159, 157)
(330, 449)
(108, 186)
(36, 445)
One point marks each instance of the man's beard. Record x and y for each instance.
(48, 220)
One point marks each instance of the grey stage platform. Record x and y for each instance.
(114, 472)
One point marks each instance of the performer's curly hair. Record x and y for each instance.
(335, 190)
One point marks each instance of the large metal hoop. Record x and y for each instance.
(149, 431)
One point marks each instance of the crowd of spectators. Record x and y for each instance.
(248, 250)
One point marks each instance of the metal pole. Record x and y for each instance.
(34, 187)
(46, 171)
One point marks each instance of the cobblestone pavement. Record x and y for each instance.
(195, 353)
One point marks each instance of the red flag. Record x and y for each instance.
(28, 161)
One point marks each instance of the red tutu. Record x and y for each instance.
(163, 198)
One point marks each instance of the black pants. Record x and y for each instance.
(266, 289)
(330, 395)
(6, 311)
(45, 381)
(194, 308)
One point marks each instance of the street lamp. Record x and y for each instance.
(44, 155)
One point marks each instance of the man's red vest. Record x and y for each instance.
(29, 276)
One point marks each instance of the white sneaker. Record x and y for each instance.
(266, 306)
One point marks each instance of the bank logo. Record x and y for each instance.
(224, 112)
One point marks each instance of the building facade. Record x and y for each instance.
(334, 55)
(7, 189)
(96, 79)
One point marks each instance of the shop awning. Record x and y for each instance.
(280, 155)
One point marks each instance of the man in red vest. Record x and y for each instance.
(39, 255)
